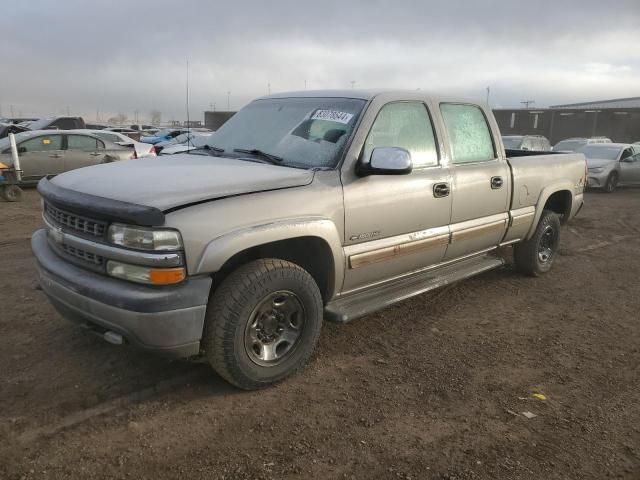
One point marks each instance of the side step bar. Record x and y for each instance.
(352, 306)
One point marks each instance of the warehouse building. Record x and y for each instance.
(617, 119)
(214, 120)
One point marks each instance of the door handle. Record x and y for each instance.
(441, 190)
(95, 154)
(55, 155)
(496, 183)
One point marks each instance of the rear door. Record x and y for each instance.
(83, 151)
(41, 156)
(481, 181)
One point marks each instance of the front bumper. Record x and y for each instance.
(168, 320)
(597, 180)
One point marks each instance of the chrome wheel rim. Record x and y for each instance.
(274, 328)
(546, 246)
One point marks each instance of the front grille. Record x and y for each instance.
(88, 257)
(72, 221)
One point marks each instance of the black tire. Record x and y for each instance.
(611, 183)
(229, 338)
(535, 256)
(11, 193)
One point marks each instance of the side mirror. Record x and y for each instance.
(387, 161)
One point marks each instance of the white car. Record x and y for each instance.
(197, 141)
(141, 149)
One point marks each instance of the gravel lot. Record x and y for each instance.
(434, 387)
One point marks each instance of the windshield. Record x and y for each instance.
(601, 151)
(569, 145)
(512, 143)
(305, 132)
(4, 142)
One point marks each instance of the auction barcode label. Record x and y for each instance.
(332, 116)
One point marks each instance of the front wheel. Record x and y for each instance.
(535, 256)
(612, 182)
(11, 193)
(262, 323)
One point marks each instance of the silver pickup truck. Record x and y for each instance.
(303, 206)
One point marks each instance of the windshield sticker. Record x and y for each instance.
(332, 116)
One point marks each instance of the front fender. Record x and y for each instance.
(222, 248)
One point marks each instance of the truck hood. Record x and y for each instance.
(176, 180)
(600, 162)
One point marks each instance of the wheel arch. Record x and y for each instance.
(314, 245)
(558, 199)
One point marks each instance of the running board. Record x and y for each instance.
(355, 305)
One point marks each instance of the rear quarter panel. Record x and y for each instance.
(536, 177)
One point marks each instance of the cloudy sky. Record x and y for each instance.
(126, 56)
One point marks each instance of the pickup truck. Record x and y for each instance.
(304, 206)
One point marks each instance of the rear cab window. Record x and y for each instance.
(469, 133)
(405, 125)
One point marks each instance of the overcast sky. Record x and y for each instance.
(122, 56)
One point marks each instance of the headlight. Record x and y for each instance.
(149, 275)
(596, 170)
(144, 238)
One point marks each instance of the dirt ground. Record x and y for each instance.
(434, 387)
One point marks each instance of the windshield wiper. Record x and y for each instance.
(207, 148)
(273, 159)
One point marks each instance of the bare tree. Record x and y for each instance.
(156, 117)
(121, 118)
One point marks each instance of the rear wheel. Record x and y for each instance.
(535, 256)
(612, 182)
(262, 323)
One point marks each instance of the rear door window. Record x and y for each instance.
(83, 143)
(406, 125)
(469, 133)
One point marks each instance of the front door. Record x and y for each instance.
(395, 224)
(630, 170)
(481, 182)
(41, 156)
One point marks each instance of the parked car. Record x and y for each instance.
(612, 164)
(141, 149)
(58, 123)
(576, 143)
(304, 205)
(537, 143)
(170, 133)
(16, 120)
(195, 143)
(182, 139)
(7, 128)
(45, 153)
(140, 128)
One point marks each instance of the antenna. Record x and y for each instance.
(526, 103)
(188, 120)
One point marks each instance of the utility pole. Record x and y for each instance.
(526, 103)
(305, 84)
(353, 83)
(228, 101)
(488, 94)
(268, 88)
